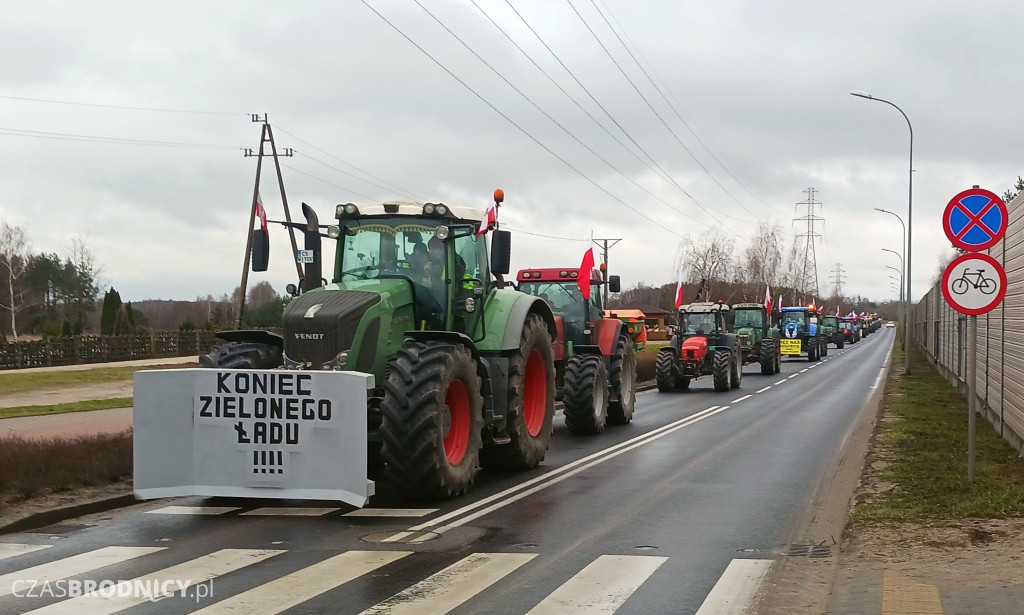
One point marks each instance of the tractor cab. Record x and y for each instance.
(700, 326)
(758, 339)
(574, 316)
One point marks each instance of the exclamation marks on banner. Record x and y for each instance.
(267, 462)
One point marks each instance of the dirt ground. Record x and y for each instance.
(11, 511)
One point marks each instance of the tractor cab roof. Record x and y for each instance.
(797, 309)
(567, 274)
(747, 306)
(408, 208)
(704, 307)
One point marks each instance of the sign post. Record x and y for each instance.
(974, 283)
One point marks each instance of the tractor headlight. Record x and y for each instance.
(442, 232)
(345, 209)
(441, 210)
(470, 304)
(428, 209)
(337, 363)
(334, 231)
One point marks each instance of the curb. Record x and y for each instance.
(55, 515)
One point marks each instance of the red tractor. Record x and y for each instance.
(595, 363)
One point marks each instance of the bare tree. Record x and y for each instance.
(13, 257)
(763, 257)
(260, 294)
(708, 258)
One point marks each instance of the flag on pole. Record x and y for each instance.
(586, 269)
(262, 213)
(837, 310)
(490, 217)
(780, 302)
(679, 290)
(768, 299)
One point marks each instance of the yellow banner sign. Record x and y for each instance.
(790, 346)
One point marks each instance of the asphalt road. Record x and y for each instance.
(684, 510)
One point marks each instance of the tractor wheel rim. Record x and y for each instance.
(535, 389)
(456, 442)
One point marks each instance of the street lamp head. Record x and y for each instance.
(861, 94)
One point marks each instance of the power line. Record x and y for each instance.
(320, 179)
(123, 107)
(552, 119)
(509, 228)
(65, 136)
(517, 126)
(330, 166)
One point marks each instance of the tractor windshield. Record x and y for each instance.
(699, 324)
(797, 317)
(748, 318)
(567, 301)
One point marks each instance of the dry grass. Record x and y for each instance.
(31, 467)
(13, 381)
(645, 362)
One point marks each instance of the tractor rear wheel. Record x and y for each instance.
(243, 355)
(736, 371)
(824, 349)
(720, 366)
(812, 350)
(840, 342)
(585, 395)
(666, 371)
(767, 357)
(778, 356)
(622, 380)
(432, 419)
(531, 401)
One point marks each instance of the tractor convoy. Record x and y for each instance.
(461, 369)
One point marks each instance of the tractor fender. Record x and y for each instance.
(521, 307)
(257, 336)
(677, 344)
(728, 341)
(812, 330)
(449, 337)
(606, 333)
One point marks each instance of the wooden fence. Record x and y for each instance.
(104, 348)
(942, 333)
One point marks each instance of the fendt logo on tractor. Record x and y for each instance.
(432, 364)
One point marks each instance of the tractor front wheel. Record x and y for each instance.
(243, 355)
(531, 401)
(666, 371)
(720, 366)
(622, 379)
(432, 418)
(585, 395)
(736, 371)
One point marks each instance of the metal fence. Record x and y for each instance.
(942, 332)
(104, 348)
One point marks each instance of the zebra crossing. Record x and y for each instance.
(600, 586)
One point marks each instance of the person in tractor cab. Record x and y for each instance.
(699, 324)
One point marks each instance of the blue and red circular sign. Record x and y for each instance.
(975, 220)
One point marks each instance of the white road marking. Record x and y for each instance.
(503, 496)
(780, 381)
(285, 511)
(446, 590)
(803, 370)
(72, 566)
(601, 587)
(736, 401)
(302, 585)
(11, 549)
(391, 512)
(793, 376)
(736, 589)
(193, 510)
(765, 389)
(188, 573)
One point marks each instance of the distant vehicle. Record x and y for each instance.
(890, 325)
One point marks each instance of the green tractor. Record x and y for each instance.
(463, 366)
(759, 341)
(832, 332)
(703, 347)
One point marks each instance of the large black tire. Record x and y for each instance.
(666, 371)
(767, 357)
(824, 349)
(683, 382)
(720, 366)
(432, 419)
(243, 355)
(622, 380)
(812, 349)
(585, 394)
(531, 401)
(778, 356)
(736, 371)
(840, 342)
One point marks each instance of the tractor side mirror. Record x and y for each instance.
(501, 251)
(614, 284)
(260, 249)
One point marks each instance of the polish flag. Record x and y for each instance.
(490, 217)
(837, 310)
(768, 299)
(583, 276)
(679, 290)
(780, 303)
(262, 213)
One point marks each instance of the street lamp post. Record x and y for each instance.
(898, 279)
(910, 211)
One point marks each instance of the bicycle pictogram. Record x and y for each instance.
(976, 280)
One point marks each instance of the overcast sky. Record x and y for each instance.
(763, 88)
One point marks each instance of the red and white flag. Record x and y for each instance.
(260, 212)
(490, 217)
(768, 299)
(780, 303)
(837, 310)
(679, 290)
(586, 269)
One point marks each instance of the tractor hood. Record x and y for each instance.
(793, 330)
(320, 324)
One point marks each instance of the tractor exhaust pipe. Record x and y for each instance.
(314, 268)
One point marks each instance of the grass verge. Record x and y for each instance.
(12, 381)
(75, 406)
(30, 467)
(917, 469)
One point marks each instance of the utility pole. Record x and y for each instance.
(605, 245)
(266, 136)
(837, 280)
(809, 269)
